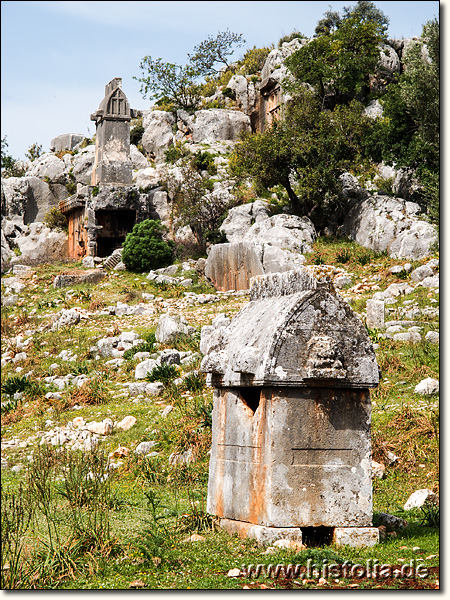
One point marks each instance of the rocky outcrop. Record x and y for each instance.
(218, 125)
(158, 134)
(274, 66)
(49, 168)
(41, 245)
(245, 92)
(271, 245)
(81, 165)
(382, 223)
(66, 141)
(28, 199)
(286, 232)
(241, 218)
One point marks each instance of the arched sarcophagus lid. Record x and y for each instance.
(305, 338)
(115, 104)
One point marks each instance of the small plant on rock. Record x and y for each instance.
(54, 219)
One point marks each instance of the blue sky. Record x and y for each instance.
(56, 57)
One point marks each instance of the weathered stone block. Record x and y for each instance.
(66, 141)
(375, 314)
(263, 535)
(231, 266)
(283, 457)
(291, 420)
(357, 537)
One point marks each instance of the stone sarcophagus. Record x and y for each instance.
(112, 145)
(291, 447)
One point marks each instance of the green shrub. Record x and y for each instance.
(204, 161)
(136, 135)
(254, 59)
(175, 152)
(144, 248)
(290, 37)
(54, 219)
(164, 373)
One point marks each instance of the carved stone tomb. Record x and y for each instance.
(291, 448)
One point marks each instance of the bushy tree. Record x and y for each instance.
(34, 151)
(215, 51)
(306, 152)
(329, 23)
(408, 133)
(365, 11)
(254, 60)
(178, 85)
(9, 165)
(170, 83)
(136, 135)
(338, 64)
(144, 248)
(55, 219)
(194, 204)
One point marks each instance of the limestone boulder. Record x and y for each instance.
(373, 110)
(50, 168)
(171, 326)
(158, 134)
(66, 141)
(274, 67)
(138, 160)
(241, 218)
(245, 93)
(78, 277)
(147, 177)
(231, 266)
(218, 124)
(160, 207)
(384, 223)
(286, 232)
(6, 253)
(421, 497)
(144, 368)
(82, 164)
(427, 387)
(28, 199)
(389, 61)
(272, 245)
(40, 244)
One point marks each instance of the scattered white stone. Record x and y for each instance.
(408, 336)
(378, 470)
(234, 573)
(144, 448)
(289, 544)
(195, 537)
(419, 498)
(433, 337)
(105, 427)
(421, 273)
(427, 387)
(392, 458)
(126, 423)
(144, 368)
(166, 411)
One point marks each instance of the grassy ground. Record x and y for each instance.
(134, 529)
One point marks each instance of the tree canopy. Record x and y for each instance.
(179, 85)
(337, 64)
(305, 153)
(324, 132)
